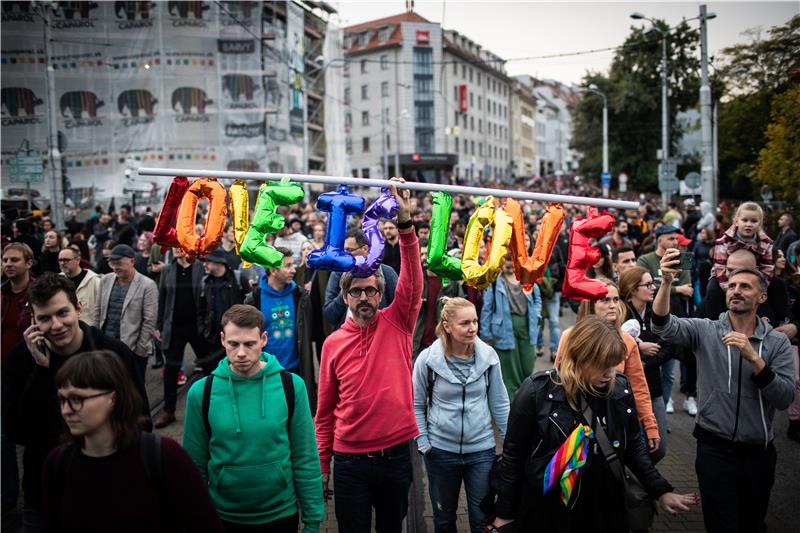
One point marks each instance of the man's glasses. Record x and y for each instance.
(355, 292)
(648, 285)
(76, 402)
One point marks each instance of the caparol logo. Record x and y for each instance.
(78, 103)
(186, 99)
(17, 12)
(134, 102)
(182, 10)
(240, 89)
(133, 15)
(15, 100)
(65, 15)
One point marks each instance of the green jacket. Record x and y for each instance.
(256, 473)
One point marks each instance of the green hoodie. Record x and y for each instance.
(255, 472)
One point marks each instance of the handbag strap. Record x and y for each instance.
(613, 460)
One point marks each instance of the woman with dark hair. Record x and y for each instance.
(636, 288)
(111, 476)
(603, 268)
(569, 416)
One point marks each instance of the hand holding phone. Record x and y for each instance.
(37, 345)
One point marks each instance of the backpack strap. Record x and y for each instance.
(150, 452)
(207, 401)
(288, 391)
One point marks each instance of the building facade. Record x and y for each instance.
(523, 131)
(425, 103)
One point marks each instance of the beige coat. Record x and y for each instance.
(87, 293)
(139, 312)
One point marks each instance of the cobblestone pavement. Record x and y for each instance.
(677, 466)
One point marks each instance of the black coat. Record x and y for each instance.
(539, 422)
(209, 325)
(651, 364)
(31, 412)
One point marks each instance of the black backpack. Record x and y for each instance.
(288, 391)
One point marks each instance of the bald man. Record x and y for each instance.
(775, 309)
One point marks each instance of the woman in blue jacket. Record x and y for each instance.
(510, 323)
(458, 391)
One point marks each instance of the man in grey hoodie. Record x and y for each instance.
(745, 372)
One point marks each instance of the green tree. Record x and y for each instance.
(779, 161)
(633, 88)
(754, 74)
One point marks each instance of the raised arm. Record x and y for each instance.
(408, 295)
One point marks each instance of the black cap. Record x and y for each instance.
(666, 230)
(215, 257)
(120, 251)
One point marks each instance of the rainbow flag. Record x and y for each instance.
(566, 464)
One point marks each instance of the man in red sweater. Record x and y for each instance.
(365, 414)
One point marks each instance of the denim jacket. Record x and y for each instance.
(496, 324)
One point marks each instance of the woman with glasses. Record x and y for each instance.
(112, 477)
(572, 417)
(458, 392)
(637, 290)
(612, 310)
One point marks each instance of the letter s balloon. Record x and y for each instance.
(581, 256)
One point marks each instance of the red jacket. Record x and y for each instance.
(365, 399)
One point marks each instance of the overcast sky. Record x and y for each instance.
(532, 28)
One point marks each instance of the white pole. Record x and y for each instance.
(707, 166)
(415, 186)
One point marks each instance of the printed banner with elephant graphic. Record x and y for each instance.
(180, 83)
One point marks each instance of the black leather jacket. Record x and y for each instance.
(540, 421)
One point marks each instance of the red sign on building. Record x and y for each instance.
(462, 98)
(423, 37)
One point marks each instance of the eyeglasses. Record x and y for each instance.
(355, 292)
(76, 402)
(615, 300)
(648, 285)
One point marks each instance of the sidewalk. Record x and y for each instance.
(677, 466)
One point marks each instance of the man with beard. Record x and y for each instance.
(745, 372)
(365, 414)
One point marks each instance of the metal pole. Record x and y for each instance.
(57, 189)
(397, 118)
(715, 130)
(369, 182)
(707, 167)
(383, 140)
(664, 112)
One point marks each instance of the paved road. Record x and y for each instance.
(677, 466)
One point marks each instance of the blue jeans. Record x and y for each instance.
(446, 470)
(667, 379)
(361, 483)
(553, 305)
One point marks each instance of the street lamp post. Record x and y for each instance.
(664, 104)
(606, 176)
(708, 178)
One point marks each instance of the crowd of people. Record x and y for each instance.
(315, 380)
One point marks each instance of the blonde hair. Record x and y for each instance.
(586, 308)
(593, 343)
(449, 309)
(749, 206)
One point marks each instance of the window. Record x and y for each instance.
(480, 149)
(384, 34)
(424, 117)
(455, 117)
(472, 123)
(363, 66)
(480, 126)
(480, 100)
(347, 95)
(362, 39)
(464, 71)
(455, 140)
(423, 89)
(465, 120)
(425, 141)
(455, 93)
(354, 172)
(495, 152)
(388, 142)
(348, 120)
(365, 146)
(479, 79)
(472, 147)
(365, 172)
(364, 92)
(384, 88)
(471, 99)
(348, 146)
(455, 68)
(365, 118)
(423, 61)
(384, 62)
(470, 74)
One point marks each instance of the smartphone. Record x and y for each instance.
(687, 261)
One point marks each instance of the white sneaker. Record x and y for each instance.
(690, 406)
(670, 407)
